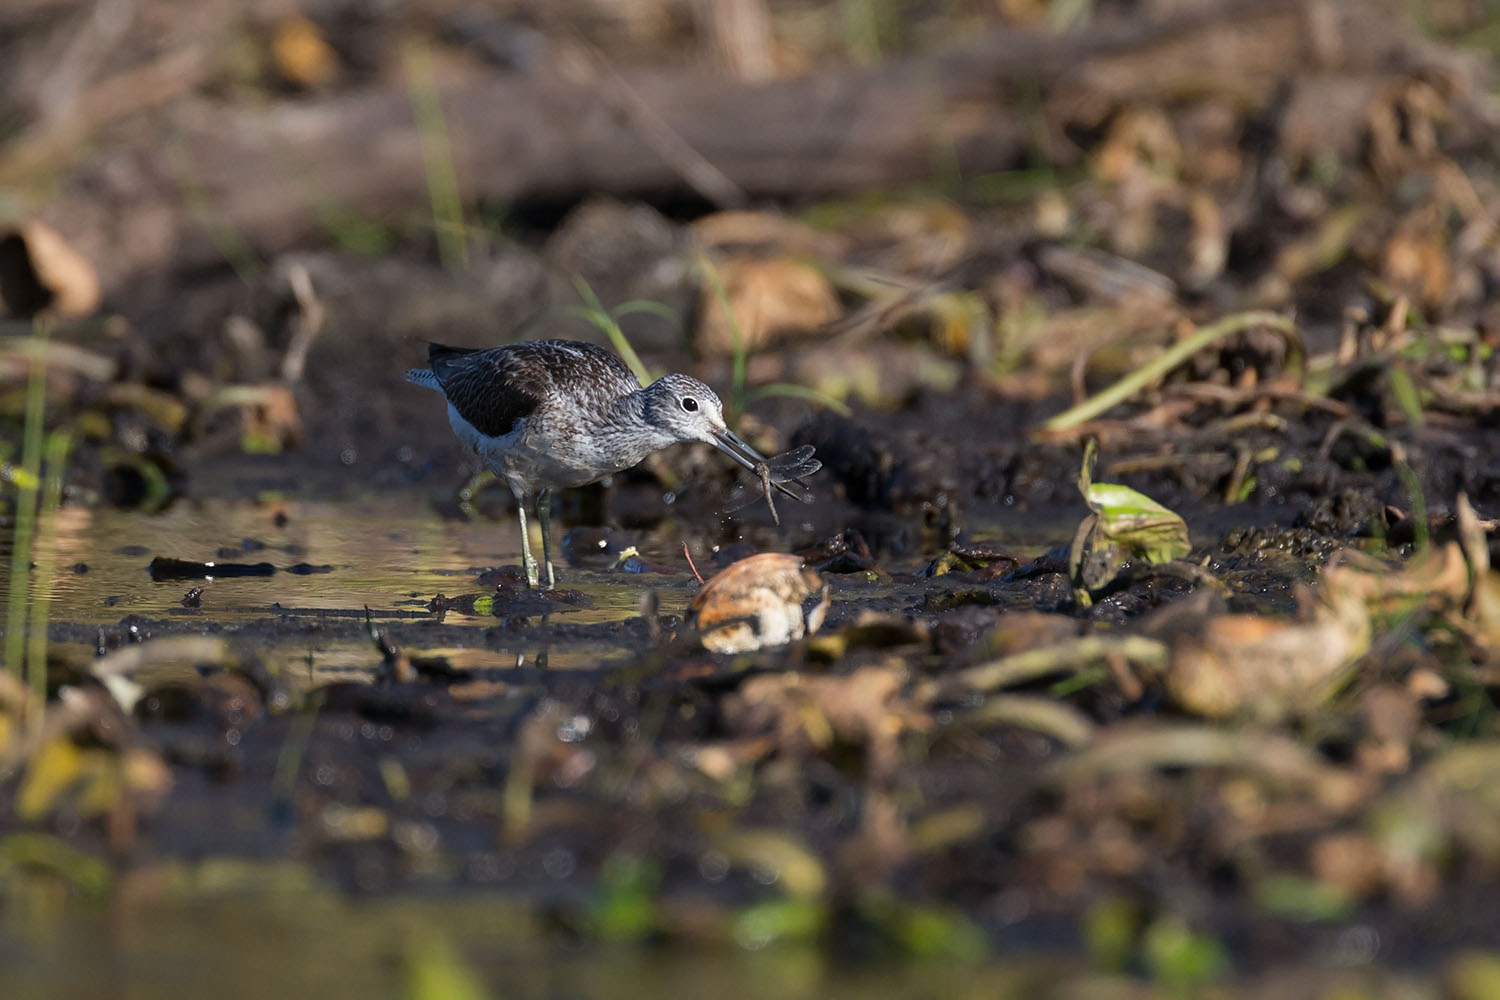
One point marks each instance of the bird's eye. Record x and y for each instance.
(689, 403)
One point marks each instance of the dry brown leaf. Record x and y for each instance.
(1415, 260)
(42, 275)
(879, 374)
(1391, 718)
(809, 713)
(1208, 249)
(924, 237)
(770, 298)
(269, 414)
(769, 599)
(1139, 139)
(1439, 577)
(744, 228)
(1483, 608)
(1264, 667)
(1350, 862)
(302, 55)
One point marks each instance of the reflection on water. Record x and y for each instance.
(172, 934)
(317, 567)
(327, 562)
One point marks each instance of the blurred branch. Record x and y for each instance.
(272, 174)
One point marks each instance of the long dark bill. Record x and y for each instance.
(734, 446)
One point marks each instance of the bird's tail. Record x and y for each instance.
(423, 376)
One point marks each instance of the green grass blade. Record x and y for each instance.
(660, 310)
(741, 351)
(1163, 363)
(593, 310)
(437, 158)
(26, 504)
(57, 447)
(794, 391)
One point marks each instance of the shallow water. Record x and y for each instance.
(298, 577)
(269, 931)
(318, 564)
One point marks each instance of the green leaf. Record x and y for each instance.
(436, 971)
(625, 909)
(1179, 957)
(1137, 523)
(1301, 898)
(794, 391)
(928, 932)
(778, 920)
(1110, 927)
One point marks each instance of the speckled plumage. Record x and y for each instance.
(550, 414)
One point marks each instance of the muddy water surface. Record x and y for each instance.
(314, 568)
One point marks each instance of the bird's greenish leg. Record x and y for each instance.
(544, 515)
(528, 562)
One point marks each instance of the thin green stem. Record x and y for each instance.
(437, 158)
(1159, 366)
(593, 310)
(26, 503)
(741, 348)
(294, 747)
(794, 391)
(46, 566)
(1421, 537)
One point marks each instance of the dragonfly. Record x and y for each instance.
(778, 474)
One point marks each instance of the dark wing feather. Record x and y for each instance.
(484, 387)
(494, 388)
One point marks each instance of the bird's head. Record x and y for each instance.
(684, 409)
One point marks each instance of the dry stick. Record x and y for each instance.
(18, 354)
(831, 132)
(1211, 393)
(116, 670)
(90, 41)
(1020, 668)
(883, 307)
(1164, 363)
(1278, 757)
(305, 327)
(48, 145)
(1056, 719)
(689, 557)
(665, 141)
